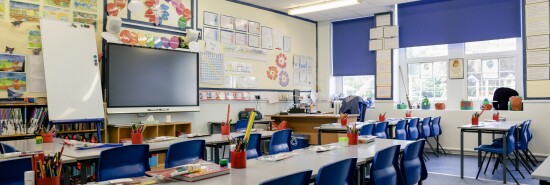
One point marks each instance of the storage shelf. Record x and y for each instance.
(79, 131)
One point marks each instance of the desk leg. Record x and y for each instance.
(461, 154)
(479, 152)
(83, 176)
(504, 159)
(66, 174)
(543, 182)
(318, 137)
(211, 128)
(362, 174)
(216, 154)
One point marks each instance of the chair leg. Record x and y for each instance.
(533, 156)
(509, 172)
(439, 145)
(426, 155)
(431, 147)
(514, 165)
(533, 161)
(482, 161)
(496, 163)
(223, 153)
(489, 161)
(524, 162)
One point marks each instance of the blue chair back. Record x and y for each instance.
(385, 167)
(341, 173)
(123, 162)
(523, 136)
(511, 140)
(412, 165)
(12, 171)
(366, 130)
(253, 151)
(400, 130)
(529, 133)
(426, 129)
(241, 125)
(280, 142)
(362, 111)
(413, 129)
(7, 148)
(436, 127)
(381, 130)
(184, 153)
(298, 178)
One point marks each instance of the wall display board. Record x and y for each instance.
(536, 22)
(387, 38)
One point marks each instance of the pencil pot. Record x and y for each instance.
(238, 159)
(496, 117)
(225, 129)
(381, 118)
(475, 121)
(48, 181)
(344, 121)
(352, 139)
(408, 115)
(137, 138)
(47, 138)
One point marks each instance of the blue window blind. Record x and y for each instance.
(350, 48)
(432, 22)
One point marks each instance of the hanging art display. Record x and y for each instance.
(283, 79)
(272, 73)
(281, 60)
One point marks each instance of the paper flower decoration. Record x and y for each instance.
(182, 23)
(283, 78)
(272, 72)
(281, 60)
(174, 42)
(125, 36)
(165, 42)
(121, 4)
(150, 40)
(158, 42)
(142, 40)
(112, 9)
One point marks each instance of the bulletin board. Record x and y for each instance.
(19, 23)
(537, 49)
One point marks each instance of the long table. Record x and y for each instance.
(306, 123)
(257, 171)
(485, 127)
(542, 173)
(218, 124)
(338, 128)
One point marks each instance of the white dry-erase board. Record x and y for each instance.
(71, 66)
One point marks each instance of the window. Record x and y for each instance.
(427, 79)
(490, 46)
(486, 75)
(427, 51)
(362, 86)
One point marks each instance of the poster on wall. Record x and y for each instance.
(456, 68)
(35, 40)
(2, 8)
(227, 37)
(85, 5)
(241, 24)
(286, 44)
(53, 13)
(24, 11)
(426, 70)
(241, 39)
(254, 41)
(210, 19)
(489, 68)
(58, 3)
(85, 18)
(254, 27)
(278, 40)
(267, 37)
(210, 34)
(227, 22)
(17, 81)
(12, 63)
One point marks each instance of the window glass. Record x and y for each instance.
(362, 86)
(490, 46)
(427, 51)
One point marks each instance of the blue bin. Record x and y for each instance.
(299, 141)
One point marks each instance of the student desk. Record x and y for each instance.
(257, 171)
(488, 127)
(338, 128)
(213, 124)
(542, 172)
(306, 123)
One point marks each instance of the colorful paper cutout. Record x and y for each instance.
(158, 42)
(281, 60)
(112, 9)
(150, 40)
(142, 40)
(283, 79)
(272, 73)
(165, 42)
(182, 23)
(174, 42)
(125, 36)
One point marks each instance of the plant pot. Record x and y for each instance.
(48, 181)
(475, 121)
(238, 159)
(352, 139)
(137, 138)
(47, 138)
(225, 129)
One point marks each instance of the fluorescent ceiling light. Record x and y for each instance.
(322, 6)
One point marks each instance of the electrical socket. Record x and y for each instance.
(257, 97)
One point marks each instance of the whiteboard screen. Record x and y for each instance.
(73, 83)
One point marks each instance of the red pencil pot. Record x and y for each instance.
(496, 117)
(352, 139)
(47, 138)
(238, 159)
(408, 115)
(225, 129)
(137, 138)
(344, 121)
(48, 181)
(475, 121)
(381, 118)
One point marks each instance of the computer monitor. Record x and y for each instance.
(296, 96)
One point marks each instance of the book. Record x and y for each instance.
(195, 171)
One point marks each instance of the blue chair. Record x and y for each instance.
(385, 168)
(381, 130)
(412, 166)
(184, 153)
(253, 151)
(280, 142)
(366, 130)
(12, 171)
(362, 111)
(400, 130)
(521, 146)
(529, 138)
(436, 132)
(7, 148)
(123, 162)
(298, 178)
(426, 132)
(341, 173)
(241, 125)
(412, 129)
(497, 150)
